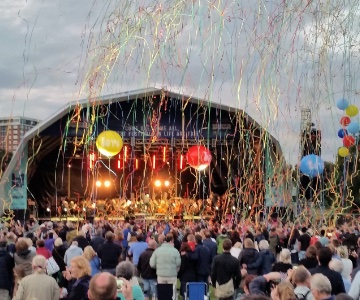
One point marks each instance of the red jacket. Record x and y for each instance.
(44, 252)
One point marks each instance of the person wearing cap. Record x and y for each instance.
(6, 267)
(220, 240)
(38, 285)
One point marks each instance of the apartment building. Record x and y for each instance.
(12, 129)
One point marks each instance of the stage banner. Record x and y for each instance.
(17, 185)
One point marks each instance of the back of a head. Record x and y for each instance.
(311, 252)
(125, 269)
(169, 238)
(324, 256)
(191, 238)
(227, 244)
(320, 283)
(337, 265)
(140, 238)
(248, 243)
(198, 239)
(263, 245)
(3, 243)
(285, 256)
(286, 291)
(39, 263)
(207, 234)
(343, 296)
(109, 236)
(300, 275)
(152, 244)
(103, 287)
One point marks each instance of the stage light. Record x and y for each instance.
(201, 167)
(48, 209)
(69, 165)
(216, 208)
(93, 205)
(84, 208)
(65, 209)
(128, 203)
(157, 183)
(107, 183)
(233, 207)
(249, 206)
(98, 183)
(167, 183)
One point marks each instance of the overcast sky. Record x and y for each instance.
(271, 58)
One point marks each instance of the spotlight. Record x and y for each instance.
(98, 183)
(249, 206)
(233, 207)
(93, 205)
(48, 209)
(84, 208)
(107, 183)
(65, 209)
(167, 183)
(157, 183)
(217, 208)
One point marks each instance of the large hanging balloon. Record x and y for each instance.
(345, 121)
(342, 104)
(343, 151)
(198, 157)
(342, 132)
(352, 110)
(109, 143)
(312, 165)
(348, 141)
(353, 128)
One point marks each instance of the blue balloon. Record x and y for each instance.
(342, 104)
(353, 127)
(312, 165)
(342, 132)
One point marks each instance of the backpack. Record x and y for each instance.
(301, 296)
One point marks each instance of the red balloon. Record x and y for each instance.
(348, 141)
(345, 121)
(198, 157)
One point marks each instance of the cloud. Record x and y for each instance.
(269, 59)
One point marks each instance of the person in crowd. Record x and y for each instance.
(235, 237)
(343, 252)
(78, 275)
(137, 248)
(333, 249)
(310, 261)
(24, 256)
(38, 285)
(49, 239)
(274, 240)
(220, 239)
(126, 270)
(324, 257)
(109, 254)
(81, 240)
(259, 235)
(166, 260)
(300, 277)
(71, 232)
(210, 244)
(187, 272)
(250, 258)
(201, 257)
(338, 266)
(58, 254)
(147, 273)
(303, 243)
(119, 237)
(246, 283)
(284, 263)
(73, 251)
(97, 240)
(324, 240)
(11, 241)
(321, 287)
(93, 259)
(267, 257)
(236, 249)
(19, 273)
(41, 250)
(225, 268)
(103, 287)
(283, 291)
(354, 291)
(191, 241)
(6, 270)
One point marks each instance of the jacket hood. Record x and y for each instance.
(24, 253)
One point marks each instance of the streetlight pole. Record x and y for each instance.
(68, 187)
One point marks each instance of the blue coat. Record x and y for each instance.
(268, 259)
(212, 246)
(95, 265)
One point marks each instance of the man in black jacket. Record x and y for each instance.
(147, 273)
(224, 268)
(324, 256)
(109, 253)
(97, 240)
(6, 267)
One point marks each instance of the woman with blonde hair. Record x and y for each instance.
(284, 263)
(284, 291)
(250, 258)
(343, 252)
(24, 256)
(94, 260)
(78, 275)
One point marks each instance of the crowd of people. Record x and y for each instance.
(134, 261)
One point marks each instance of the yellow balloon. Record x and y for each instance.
(343, 151)
(352, 110)
(109, 143)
